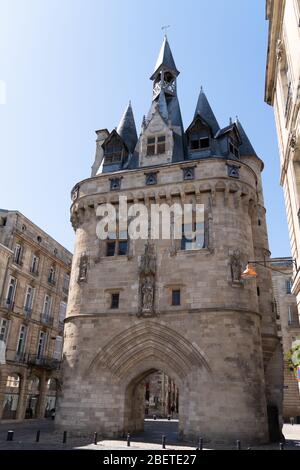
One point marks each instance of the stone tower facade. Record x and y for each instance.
(179, 306)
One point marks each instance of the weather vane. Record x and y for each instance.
(164, 28)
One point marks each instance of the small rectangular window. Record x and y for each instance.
(151, 146)
(110, 248)
(289, 287)
(122, 247)
(194, 144)
(161, 148)
(115, 300)
(204, 143)
(176, 297)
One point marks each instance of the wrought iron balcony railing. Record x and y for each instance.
(43, 361)
(46, 319)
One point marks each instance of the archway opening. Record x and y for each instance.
(152, 404)
(32, 398)
(161, 396)
(11, 397)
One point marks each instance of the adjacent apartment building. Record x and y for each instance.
(285, 309)
(283, 92)
(34, 284)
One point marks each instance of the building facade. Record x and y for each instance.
(177, 305)
(283, 93)
(161, 396)
(34, 286)
(285, 308)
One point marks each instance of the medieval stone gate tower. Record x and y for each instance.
(179, 306)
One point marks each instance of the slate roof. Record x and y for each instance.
(204, 110)
(165, 59)
(127, 129)
(246, 148)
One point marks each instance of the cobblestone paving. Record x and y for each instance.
(50, 439)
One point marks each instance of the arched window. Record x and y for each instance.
(11, 397)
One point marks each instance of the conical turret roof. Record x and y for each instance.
(204, 110)
(165, 59)
(246, 148)
(127, 129)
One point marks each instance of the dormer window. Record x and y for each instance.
(198, 135)
(199, 144)
(156, 145)
(233, 148)
(113, 150)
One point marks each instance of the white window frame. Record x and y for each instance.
(34, 264)
(41, 347)
(47, 313)
(14, 290)
(22, 330)
(62, 309)
(58, 347)
(18, 251)
(51, 276)
(28, 308)
(4, 329)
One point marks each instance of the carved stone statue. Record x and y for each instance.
(236, 266)
(147, 273)
(83, 267)
(147, 295)
(148, 261)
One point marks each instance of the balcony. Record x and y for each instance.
(27, 312)
(294, 324)
(51, 281)
(8, 304)
(46, 319)
(12, 356)
(44, 362)
(34, 272)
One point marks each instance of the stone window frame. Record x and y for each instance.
(151, 178)
(18, 253)
(233, 171)
(115, 183)
(109, 298)
(157, 145)
(188, 172)
(176, 297)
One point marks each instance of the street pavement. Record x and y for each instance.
(51, 439)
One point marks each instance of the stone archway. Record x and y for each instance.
(134, 403)
(145, 347)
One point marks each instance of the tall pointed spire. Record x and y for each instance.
(127, 130)
(165, 59)
(204, 110)
(246, 148)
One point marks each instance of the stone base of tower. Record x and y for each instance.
(217, 366)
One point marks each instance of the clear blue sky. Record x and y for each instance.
(70, 67)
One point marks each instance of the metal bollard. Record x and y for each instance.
(65, 437)
(37, 439)
(169, 418)
(95, 438)
(154, 417)
(128, 440)
(200, 444)
(281, 446)
(10, 436)
(163, 442)
(238, 445)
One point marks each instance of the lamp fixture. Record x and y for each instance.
(250, 273)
